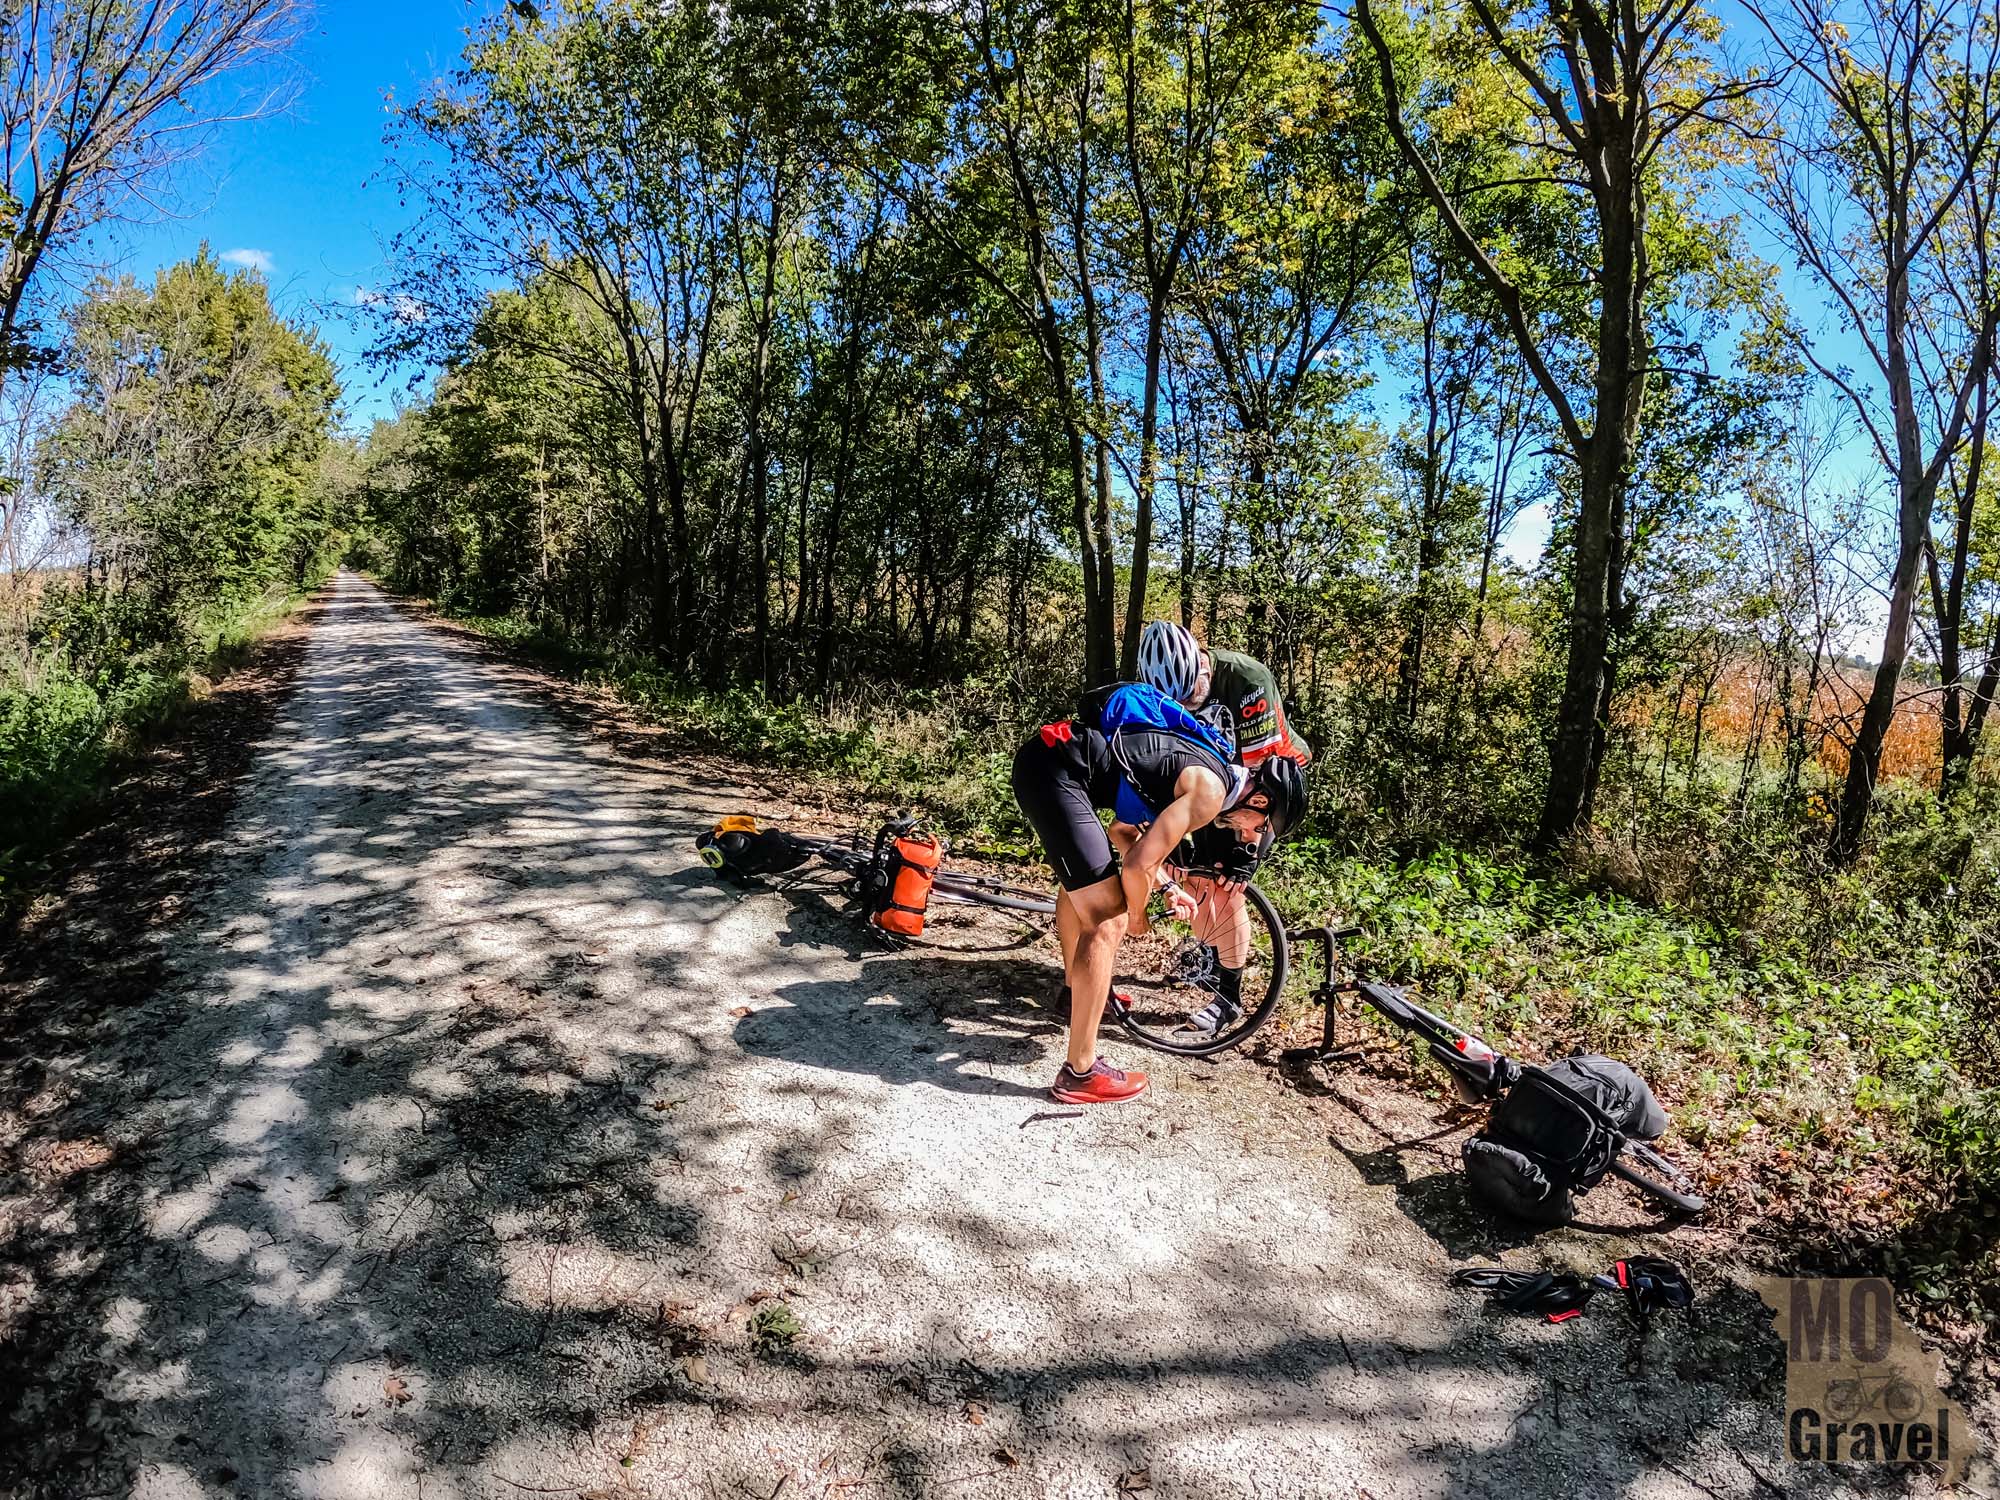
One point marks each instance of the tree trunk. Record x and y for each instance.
(1864, 759)
(1957, 742)
(1982, 698)
(1577, 743)
(1149, 465)
(1100, 623)
(1916, 493)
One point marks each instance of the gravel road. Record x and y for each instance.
(477, 1126)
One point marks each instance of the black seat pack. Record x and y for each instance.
(738, 847)
(1555, 1133)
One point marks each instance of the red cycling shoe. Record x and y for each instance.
(1103, 1084)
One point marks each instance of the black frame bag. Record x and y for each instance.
(1555, 1134)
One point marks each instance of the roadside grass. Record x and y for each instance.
(938, 749)
(1823, 1070)
(65, 734)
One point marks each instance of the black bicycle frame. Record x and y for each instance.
(1462, 1053)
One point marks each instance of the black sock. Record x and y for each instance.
(1229, 985)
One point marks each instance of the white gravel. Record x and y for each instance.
(487, 1121)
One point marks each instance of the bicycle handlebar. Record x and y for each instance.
(1686, 1203)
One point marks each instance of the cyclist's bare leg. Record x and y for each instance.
(1089, 924)
(1223, 919)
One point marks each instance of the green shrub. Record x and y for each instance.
(1740, 1036)
(93, 685)
(52, 749)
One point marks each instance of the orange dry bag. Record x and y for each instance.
(912, 867)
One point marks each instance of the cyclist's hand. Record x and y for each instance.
(1181, 904)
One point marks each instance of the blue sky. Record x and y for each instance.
(292, 194)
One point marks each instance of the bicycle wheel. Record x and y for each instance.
(1169, 976)
(1902, 1400)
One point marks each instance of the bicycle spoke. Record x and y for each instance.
(1174, 976)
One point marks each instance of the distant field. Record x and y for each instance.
(1740, 708)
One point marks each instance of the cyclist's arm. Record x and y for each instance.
(1197, 801)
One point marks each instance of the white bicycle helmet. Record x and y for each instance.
(1169, 659)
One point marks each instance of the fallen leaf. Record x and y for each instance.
(694, 1367)
(1136, 1481)
(791, 1195)
(975, 1414)
(739, 1010)
(1006, 1458)
(396, 1389)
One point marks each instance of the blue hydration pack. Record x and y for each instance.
(1140, 707)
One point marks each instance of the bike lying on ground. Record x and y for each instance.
(1164, 978)
(1572, 1138)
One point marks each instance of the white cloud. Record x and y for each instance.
(252, 260)
(405, 308)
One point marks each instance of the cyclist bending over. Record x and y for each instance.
(1137, 754)
(1241, 694)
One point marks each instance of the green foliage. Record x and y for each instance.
(52, 747)
(191, 453)
(98, 688)
(195, 463)
(773, 1329)
(1881, 1043)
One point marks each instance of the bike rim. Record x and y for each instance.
(1170, 980)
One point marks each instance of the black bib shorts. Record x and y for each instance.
(1059, 784)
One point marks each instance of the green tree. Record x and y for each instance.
(191, 455)
(1610, 114)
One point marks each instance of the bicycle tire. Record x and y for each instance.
(1902, 1400)
(1163, 1000)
